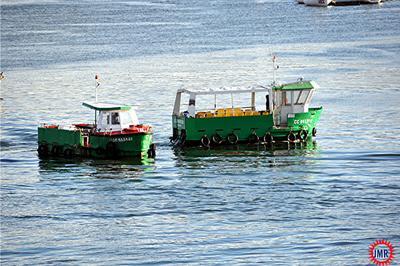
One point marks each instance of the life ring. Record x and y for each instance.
(314, 132)
(68, 153)
(302, 135)
(55, 150)
(268, 138)
(205, 141)
(291, 137)
(43, 149)
(151, 153)
(217, 139)
(253, 138)
(111, 149)
(232, 138)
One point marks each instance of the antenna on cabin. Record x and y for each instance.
(97, 84)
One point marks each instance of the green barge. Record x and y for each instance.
(268, 115)
(116, 133)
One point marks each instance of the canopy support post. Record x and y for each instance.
(253, 101)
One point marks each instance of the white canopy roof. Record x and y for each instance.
(106, 106)
(225, 90)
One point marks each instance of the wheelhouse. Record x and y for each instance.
(290, 99)
(110, 117)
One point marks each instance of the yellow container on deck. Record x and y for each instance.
(220, 113)
(209, 114)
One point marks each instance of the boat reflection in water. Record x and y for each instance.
(62, 167)
(247, 156)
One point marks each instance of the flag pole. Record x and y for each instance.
(96, 85)
(274, 68)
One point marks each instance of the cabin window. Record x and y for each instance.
(105, 119)
(126, 119)
(184, 102)
(296, 95)
(302, 97)
(287, 98)
(114, 118)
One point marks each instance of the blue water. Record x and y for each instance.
(320, 204)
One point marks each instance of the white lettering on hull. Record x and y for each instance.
(122, 139)
(302, 121)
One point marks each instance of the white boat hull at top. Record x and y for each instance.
(371, 1)
(317, 2)
(356, 2)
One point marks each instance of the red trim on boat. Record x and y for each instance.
(137, 129)
(50, 126)
(82, 125)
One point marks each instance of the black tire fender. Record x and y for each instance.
(268, 138)
(43, 149)
(302, 135)
(291, 137)
(232, 138)
(55, 150)
(151, 152)
(111, 149)
(85, 152)
(217, 139)
(205, 141)
(100, 151)
(180, 141)
(314, 132)
(253, 138)
(68, 153)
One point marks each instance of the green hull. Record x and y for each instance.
(68, 143)
(194, 129)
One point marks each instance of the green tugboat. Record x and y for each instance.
(116, 133)
(278, 113)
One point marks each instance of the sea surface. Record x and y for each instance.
(322, 203)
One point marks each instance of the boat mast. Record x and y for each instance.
(96, 85)
(274, 68)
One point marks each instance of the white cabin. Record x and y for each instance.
(111, 117)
